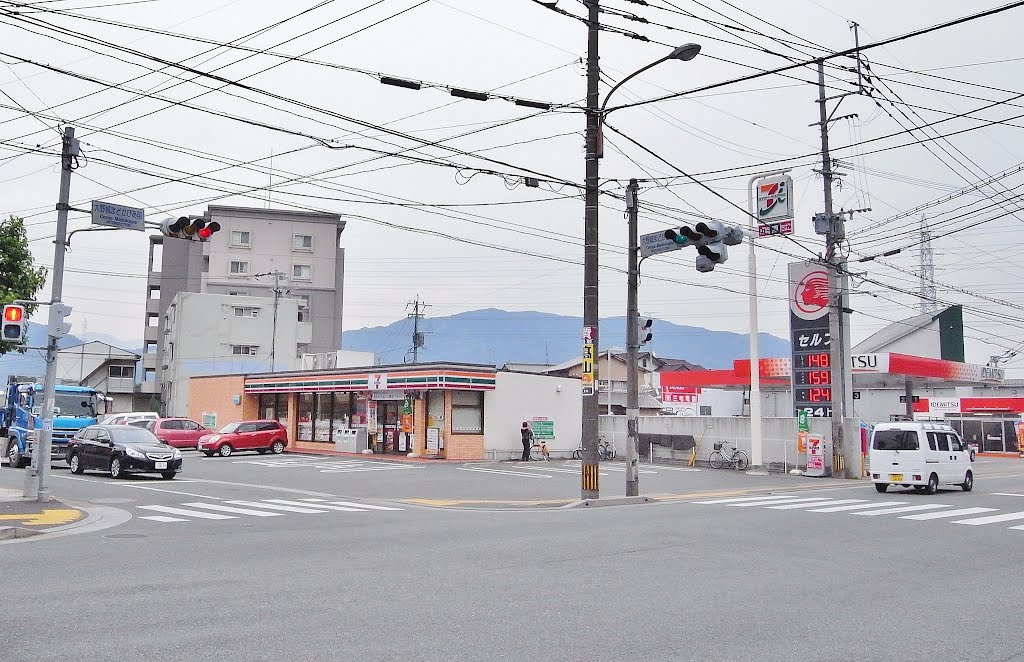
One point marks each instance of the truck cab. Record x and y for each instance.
(21, 420)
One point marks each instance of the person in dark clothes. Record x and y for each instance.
(527, 440)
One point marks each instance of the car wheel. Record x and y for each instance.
(115, 468)
(968, 483)
(75, 462)
(13, 455)
(881, 487)
(277, 447)
(933, 485)
(167, 475)
(919, 488)
(225, 450)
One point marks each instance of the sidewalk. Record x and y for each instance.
(378, 457)
(20, 516)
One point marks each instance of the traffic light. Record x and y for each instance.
(717, 236)
(15, 326)
(644, 332)
(56, 326)
(684, 236)
(193, 229)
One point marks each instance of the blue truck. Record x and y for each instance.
(21, 420)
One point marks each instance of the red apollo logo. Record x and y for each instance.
(812, 293)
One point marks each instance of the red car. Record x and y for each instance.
(177, 432)
(261, 436)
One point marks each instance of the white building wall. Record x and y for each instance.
(923, 342)
(520, 397)
(202, 330)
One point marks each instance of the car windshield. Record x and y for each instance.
(230, 427)
(895, 440)
(130, 435)
(75, 404)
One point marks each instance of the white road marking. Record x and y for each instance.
(162, 518)
(1007, 494)
(876, 504)
(991, 519)
(364, 505)
(285, 502)
(949, 513)
(793, 506)
(273, 506)
(136, 487)
(316, 500)
(575, 472)
(229, 509)
(749, 504)
(742, 499)
(504, 472)
(903, 509)
(187, 513)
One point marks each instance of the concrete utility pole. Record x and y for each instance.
(632, 346)
(273, 328)
(40, 467)
(836, 234)
(589, 488)
(417, 337)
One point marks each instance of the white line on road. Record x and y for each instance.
(949, 513)
(285, 502)
(742, 499)
(187, 513)
(575, 472)
(794, 506)
(504, 472)
(364, 505)
(903, 509)
(137, 487)
(162, 518)
(990, 519)
(272, 506)
(1007, 494)
(229, 509)
(876, 504)
(820, 501)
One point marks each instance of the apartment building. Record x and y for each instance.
(302, 248)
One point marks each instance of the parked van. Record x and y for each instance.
(922, 455)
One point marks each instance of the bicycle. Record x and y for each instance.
(605, 451)
(539, 451)
(738, 459)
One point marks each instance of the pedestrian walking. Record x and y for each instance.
(527, 440)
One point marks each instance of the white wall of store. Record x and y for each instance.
(519, 397)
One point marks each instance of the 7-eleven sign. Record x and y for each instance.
(775, 205)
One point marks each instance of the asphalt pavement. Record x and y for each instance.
(317, 559)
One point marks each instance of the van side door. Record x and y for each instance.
(959, 458)
(943, 456)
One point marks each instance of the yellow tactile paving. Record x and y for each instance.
(52, 517)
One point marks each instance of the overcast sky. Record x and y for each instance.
(296, 131)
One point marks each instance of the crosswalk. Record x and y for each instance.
(560, 469)
(329, 466)
(227, 509)
(920, 512)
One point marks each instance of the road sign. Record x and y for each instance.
(654, 243)
(118, 216)
(543, 427)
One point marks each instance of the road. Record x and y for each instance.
(300, 558)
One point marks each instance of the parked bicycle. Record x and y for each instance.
(605, 451)
(738, 459)
(540, 451)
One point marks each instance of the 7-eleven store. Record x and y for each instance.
(445, 410)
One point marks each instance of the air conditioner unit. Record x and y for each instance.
(307, 361)
(318, 361)
(331, 360)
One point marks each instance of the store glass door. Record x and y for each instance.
(389, 418)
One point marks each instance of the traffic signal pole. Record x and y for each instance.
(632, 346)
(39, 469)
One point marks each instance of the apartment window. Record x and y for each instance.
(246, 311)
(150, 375)
(150, 348)
(302, 272)
(244, 350)
(467, 412)
(239, 268)
(300, 349)
(302, 242)
(206, 264)
(304, 315)
(154, 293)
(240, 238)
(122, 371)
(152, 320)
(705, 411)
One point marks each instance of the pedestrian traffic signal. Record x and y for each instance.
(644, 332)
(15, 324)
(194, 229)
(57, 327)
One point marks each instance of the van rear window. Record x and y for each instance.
(895, 440)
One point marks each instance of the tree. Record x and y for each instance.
(19, 277)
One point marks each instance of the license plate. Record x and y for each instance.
(896, 477)
(161, 465)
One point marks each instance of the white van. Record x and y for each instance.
(126, 418)
(924, 455)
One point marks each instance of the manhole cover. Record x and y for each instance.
(124, 535)
(118, 500)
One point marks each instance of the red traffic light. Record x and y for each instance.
(14, 313)
(207, 231)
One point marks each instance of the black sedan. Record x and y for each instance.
(121, 449)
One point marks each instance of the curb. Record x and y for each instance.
(12, 532)
(615, 501)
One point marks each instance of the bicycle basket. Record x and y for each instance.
(718, 447)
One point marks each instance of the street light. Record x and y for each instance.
(595, 142)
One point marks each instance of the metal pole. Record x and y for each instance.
(836, 233)
(632, 346)
(41, 454)
(589, 488)
(273, 332)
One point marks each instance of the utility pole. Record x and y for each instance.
(835, 235)
(40, 466)
(273, 329)
(926, 271)
(417, 337)
(589, 486)
(632, 345)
